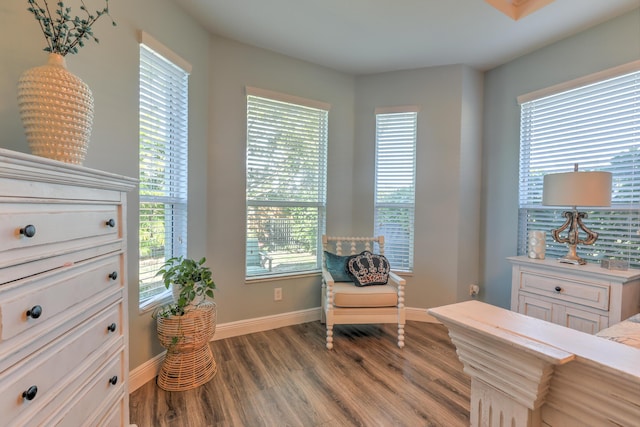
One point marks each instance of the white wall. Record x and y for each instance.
(448, 173)
(234, 66)
(613, 43)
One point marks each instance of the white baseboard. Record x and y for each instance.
(259, 324)
(145, 372)
(149, 370)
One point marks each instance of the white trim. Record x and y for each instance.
(145, 372)
(581, 81)
(155, 45)
(291, 99)
(150, 304)
(259, 324)
(149, 370)
(398, 109)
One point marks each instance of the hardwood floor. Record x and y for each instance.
(286, 377)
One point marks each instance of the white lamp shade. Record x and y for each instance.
(577, 189)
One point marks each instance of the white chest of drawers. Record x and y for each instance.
(63, 294)
(587, 297)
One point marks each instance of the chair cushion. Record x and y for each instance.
(368, 269)
(347, 295)
(337, 266)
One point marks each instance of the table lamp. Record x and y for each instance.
(584, 189)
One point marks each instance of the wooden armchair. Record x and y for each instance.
(345, 303)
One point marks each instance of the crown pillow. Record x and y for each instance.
(367, 269)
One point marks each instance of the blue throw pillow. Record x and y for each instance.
(337, 266)
(368, 269)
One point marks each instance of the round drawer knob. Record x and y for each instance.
(113, 380)
(558, 289)
(111, 327)
(34, 312)
(113, 276)
(28, 231)
(30, 393)
(111, 223)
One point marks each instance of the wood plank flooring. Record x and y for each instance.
(286, 377)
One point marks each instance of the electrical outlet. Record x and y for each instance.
(474, 290)
(277, 294)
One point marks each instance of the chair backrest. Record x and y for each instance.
(353, 245)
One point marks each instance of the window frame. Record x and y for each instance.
(599, 150)
(399, 251)
(320, 200)
(163, 123)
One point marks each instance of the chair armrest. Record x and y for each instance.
(398, 283)
(396, 280)
(326, 276)
(327, 284)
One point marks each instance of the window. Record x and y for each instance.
(163, 167)
(594, 123)
(395, 186)
(286, 183)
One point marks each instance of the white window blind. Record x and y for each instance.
(286, 186)
(163, 168)
(596, 125)
(394, 211)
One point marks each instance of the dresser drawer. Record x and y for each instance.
(33, 231)
(115, 417)
(101, 390)
(563, 289)
(47, 373)
(39, 299)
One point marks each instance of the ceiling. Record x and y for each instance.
(372, 36)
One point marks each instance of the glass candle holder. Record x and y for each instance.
(537, 244)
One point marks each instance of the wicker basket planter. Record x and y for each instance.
(189, 362)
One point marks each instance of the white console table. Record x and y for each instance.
(587, 297)
(530, 373)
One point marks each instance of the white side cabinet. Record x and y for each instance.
(587, 297)
(63, 294)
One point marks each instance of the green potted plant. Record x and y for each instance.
(191, 282)
(186, 325)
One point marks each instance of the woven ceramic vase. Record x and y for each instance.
(56, 109)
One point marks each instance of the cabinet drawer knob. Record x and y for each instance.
(558, 289)
(113, 380)
(111, 223)
(111, 327)
(34, 312)
(28, 231)
(30, 393)
(113, 276)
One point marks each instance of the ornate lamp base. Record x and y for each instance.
(575, 224)
(572, 257)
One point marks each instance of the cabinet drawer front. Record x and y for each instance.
(583, 321)
(54, 366)
(99, 391)
(56, 293)
(534, 307)
(27, 232)
(115, 416)
(563, 289)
